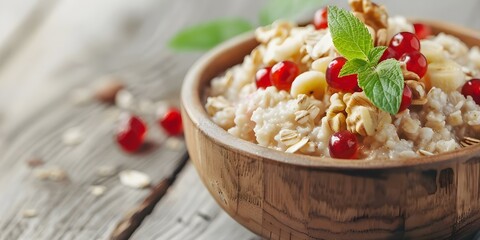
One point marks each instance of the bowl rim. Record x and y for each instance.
(191, 94)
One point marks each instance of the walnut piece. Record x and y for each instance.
(336, 118)
(362, 116)
(419, 94)
(374, 16)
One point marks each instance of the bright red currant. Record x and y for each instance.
(320, 19)
(416, 62)
(171, 122)
(405, 42)
(389, 53)
(346, 83)
(343, 144)
(422, 31)
(262, 78)
(472, 88)
(406, 98)
(283, 74)
(131, 132)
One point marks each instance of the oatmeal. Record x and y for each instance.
(289, 93)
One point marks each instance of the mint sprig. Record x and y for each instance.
(382, 82)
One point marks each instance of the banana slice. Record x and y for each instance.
(433, 51)
(447, 75)
(309, 83)
(321, 64)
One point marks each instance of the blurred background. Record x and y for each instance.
(49, 46)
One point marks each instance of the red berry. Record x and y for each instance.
(406, 98)
(346, 83)
(131, 132)
(283, 74)
(343, 144)
(416, 62)
(422, 31)
(320, 19)
(171, 122)
(389, 53)
(405, 42)
(262, 78)
(472, 88)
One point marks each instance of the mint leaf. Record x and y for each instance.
(286, 9)
(350, 36)
(353, 66)
(207, 35)
(375, 54)
(383, 85)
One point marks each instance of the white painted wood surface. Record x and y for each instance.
(49, 48)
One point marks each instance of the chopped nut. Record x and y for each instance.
(53, 174)
(174, 144)
(408, 75)
(302, 116)
(97, 190)
(124, 99)
(107, 171)
(297, 146)
(336, 113)
(72, 137)
(362, 116)
(35, 162)
(29, 213)
(134, 179)
(382, 37)
(419, 95)
(289, 137)
(373, 15)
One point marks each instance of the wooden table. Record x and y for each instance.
(51, 48)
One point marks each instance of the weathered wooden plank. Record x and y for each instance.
(189, 212)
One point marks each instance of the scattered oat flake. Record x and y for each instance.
(35, 162)
(98, 190)
(107, 87)
(174, 144)
(107, 171)
(73, 136)
(55, 174)
(124, 99)
(29, 213)
(134, 179)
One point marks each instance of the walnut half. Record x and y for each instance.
(362, 116)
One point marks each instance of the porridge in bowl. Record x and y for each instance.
(321, 90)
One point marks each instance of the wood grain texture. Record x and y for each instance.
(189, 212)
(279, 196)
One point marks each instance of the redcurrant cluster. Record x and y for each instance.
(131, 129)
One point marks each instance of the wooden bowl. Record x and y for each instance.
(285, 196)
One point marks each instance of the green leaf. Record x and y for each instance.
(353, 66)
(207, 35)
(286, 9)
(383, 85)
(350, 36)
(375, 54)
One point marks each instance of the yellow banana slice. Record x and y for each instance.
(309, 83)
(447, 75)
(321, 64)
(433, 51)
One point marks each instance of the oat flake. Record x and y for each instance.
(73, 136)
(134, 179)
